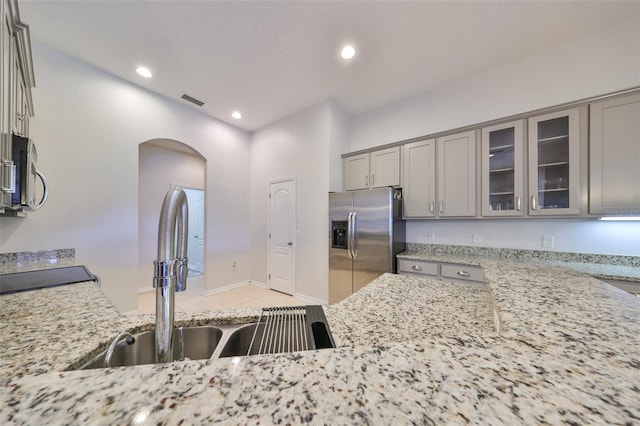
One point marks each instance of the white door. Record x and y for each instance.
(281, 239)
(195, 247)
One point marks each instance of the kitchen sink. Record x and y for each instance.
(188, 343)
(278, 330)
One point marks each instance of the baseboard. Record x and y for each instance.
(310, 299)
(226, 288)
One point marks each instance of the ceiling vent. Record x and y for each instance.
(192, 100)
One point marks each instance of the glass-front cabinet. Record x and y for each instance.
(502, 169)
(554, 163)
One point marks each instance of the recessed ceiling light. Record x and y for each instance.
(236, 115)
(144, 71)
(348, 52)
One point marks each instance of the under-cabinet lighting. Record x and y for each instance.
(620, 218)
(236, 115)
(144, 71)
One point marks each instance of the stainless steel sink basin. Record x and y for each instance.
(239, 341)
(188, 343)
(278, 330)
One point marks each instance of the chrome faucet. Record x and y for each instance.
(170, 268)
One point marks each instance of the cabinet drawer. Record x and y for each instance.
(417, 267)
(461, 272)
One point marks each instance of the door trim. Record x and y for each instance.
(295, 225)
(204, 220)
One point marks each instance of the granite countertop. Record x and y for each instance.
(410, 351)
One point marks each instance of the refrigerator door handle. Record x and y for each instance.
(354, 232)
(349, 229)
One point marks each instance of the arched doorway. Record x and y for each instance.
(162, 164)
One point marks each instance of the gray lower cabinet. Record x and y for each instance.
(418, 268)
(455, 272)
(439, 270)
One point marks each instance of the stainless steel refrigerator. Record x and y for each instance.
(366, 231)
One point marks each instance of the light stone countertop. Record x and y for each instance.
(411, 351)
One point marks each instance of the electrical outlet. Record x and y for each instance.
(235, 263)
(431, 237)
(477, 238)
(548, 241)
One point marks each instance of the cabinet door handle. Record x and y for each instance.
(366, 180)
(8, 170)
(463, 273)
(432, 206)
(534, 205)
(373, 179)
(416, 268)
(518, 203)
(441, 206)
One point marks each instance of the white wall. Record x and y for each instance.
(604, 62)
(87, 127)
(601, 63)
(159, 168)
(297, 146)
(339, 123)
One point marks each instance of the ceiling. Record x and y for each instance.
(270, 59)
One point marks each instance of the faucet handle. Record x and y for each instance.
(182, 266)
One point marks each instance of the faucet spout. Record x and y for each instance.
(170, 268)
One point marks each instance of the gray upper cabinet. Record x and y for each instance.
(457, 175)
(17, 79)
(554, 164)
(385, 167)
(7, 169)
(374, 169)
(419, 179)
(503, 170)
(614, 157)
(355, 172)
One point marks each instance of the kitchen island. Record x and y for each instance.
(410, 350)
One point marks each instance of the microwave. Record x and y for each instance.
(25, 158)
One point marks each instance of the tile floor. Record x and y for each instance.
(193, 299)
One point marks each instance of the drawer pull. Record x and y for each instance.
(416, 268)
(463, 273)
